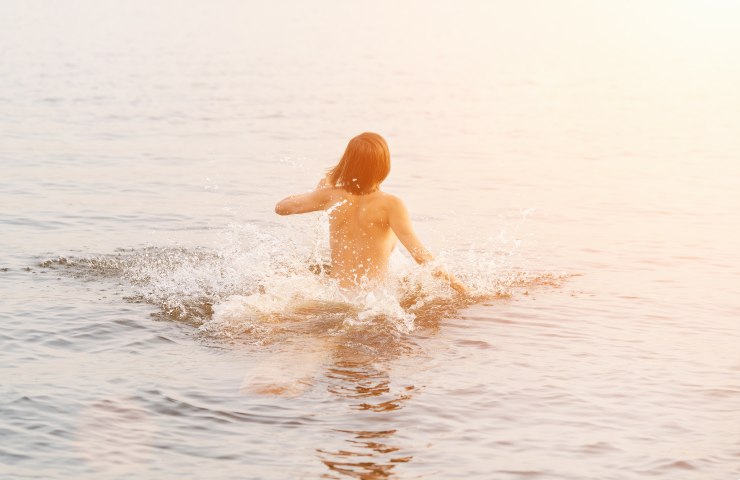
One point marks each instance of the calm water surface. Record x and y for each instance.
(578, 164)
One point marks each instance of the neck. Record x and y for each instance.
(372, 190)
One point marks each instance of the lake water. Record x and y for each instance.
(576, 163)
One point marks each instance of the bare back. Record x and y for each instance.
(361, 237)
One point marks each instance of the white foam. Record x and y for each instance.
(254, 281)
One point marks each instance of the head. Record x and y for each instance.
(363, 167)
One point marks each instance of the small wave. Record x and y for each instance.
(255, 284)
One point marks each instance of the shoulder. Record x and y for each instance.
(332, 194)
(392, 201)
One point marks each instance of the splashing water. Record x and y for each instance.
(256, 284)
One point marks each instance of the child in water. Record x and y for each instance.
(365, 223)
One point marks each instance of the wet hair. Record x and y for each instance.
(365, 164)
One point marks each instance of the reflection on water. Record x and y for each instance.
(364, 382)
(366, 454)
(367, 459)
(352, 366)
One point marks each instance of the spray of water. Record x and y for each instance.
(254, 283)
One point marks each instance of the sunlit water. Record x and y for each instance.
(576, 163)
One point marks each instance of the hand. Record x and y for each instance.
(452, 281)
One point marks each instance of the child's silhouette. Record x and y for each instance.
(365, 223)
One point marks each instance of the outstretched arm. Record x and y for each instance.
(319, 199)
(400, 222)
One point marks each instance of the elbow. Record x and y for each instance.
(281, 209)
